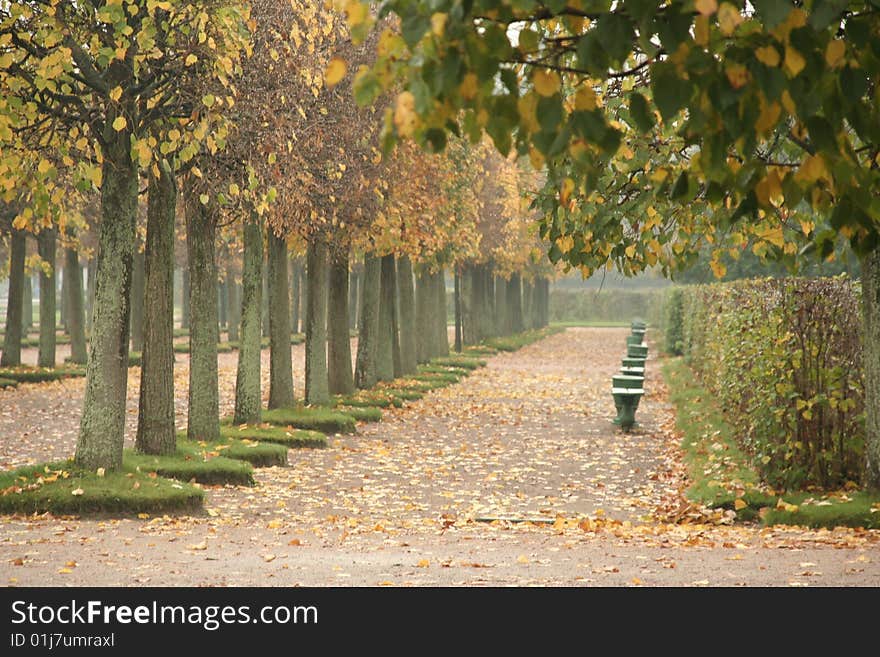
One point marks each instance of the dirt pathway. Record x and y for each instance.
(514, 476)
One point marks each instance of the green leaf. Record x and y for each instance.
(671, 93)
(615, 32)
(641, 112)
(821, 134)
(772, 12)
(413, 27)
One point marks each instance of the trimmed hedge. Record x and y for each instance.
(27, 374)
(783, 358)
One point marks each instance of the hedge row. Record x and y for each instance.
(783, 358)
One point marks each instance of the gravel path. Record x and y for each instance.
(515, 476)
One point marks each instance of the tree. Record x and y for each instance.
(751, 122)
(87, 85)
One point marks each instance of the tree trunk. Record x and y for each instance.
(465, 295)
(340, 379)
(490, 323)
(27, 310)
(91, 276)
(233, 306)
(365, 375)
(457, 301)
(353, 288)
(137, 300)
(423, 316)
(102, 427)
(527, 302)
(248, 395)
(222, 311)
(317, 390)
(63, 315)
(514, 303)
(203, 422)
(304, 294)
(502, 314)
(184, 299)
(408, 362)
(46, 248)
(388, 341)
(264, 311)
(545, 302)
(75, 311)
(295, 287)
(14, 302)
(155, 430)
(280, 358)
(440, 331)
(871, 363)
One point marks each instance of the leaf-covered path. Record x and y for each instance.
(514, 476)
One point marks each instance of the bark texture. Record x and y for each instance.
(365, 375)
(317, 389)
(248, 395)
(339, 374)
(280, 358)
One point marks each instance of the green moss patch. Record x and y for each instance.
(436, 377)
(362, 413)
(376, 398)
(324, 420)
(25, 374)
(459, 362)
(194, 462)
(440, 369)
(479, 350)
(408, 394)
(290, 438)
(520, 340)
(62, 489)
(8, 383)
(722, 475)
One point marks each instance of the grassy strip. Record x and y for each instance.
(324, 420)
(723, 477)
(290, 438)
(193, 462)
(407, 394)
(479, 350)
(25, 374)
(459, 362)
(445, 377)
(442, 369)
(376, 398)
(61, 489)
(8, 383)
(520, 340)
(362, 413)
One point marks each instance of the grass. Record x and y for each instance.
(723, 476)
(8, 383)
(442, 369)
(446, 377)
(520, 340)
(412, 386)
(375, 398)
(479, 350)
(61, 489)
(27, 374)
(362, 413)
(459, 362)
(194, 462)
(268, 433)
(324, 420)
(406, 394)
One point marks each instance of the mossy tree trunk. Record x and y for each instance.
(491, 325)
(27, 308)
(545, 301)
(264, 311)
(365, 375)
(204, 397)
(46, 242)
(102, 427)
(527, 303)
(441, 334)
(465, 295)
(155, 430)
(502, 315)
(280, 358)
(138, 265)
(423, 316)
(317, 389)
(91, 275)
(76, 318)
(295, 283)
(354, 284)
(15, 301)
(222, 311)
(871, 364)
(388, 341)
(63, 300)
(457, 302)
(339, 374)
(406, 295)
(233, 306)
(248, 395)
(514, 303)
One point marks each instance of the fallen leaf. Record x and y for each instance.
(199, 546)
(268, 557)
(424, 563)
(522, 559)
(77, 491)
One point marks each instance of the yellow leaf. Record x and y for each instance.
(44, 166)
(438, 24)
(739, 504)
(566, 190)
(585, 99)
(768, 55)
(469, 86)
(64, 571)
(199, 546)
(794, 62)
(811, 169)
(268, 557)
(728, 18)
(701, 30)
(424, 563)
(565, 243)
(100, 472)
(718, 268)
(190, 60)
(522, 559)
(119, 123)
(768, 117)
(546, 82)
(706, 7)
(737, 75)
(356, 13)
(405, 118)
(274, 524)
(835, 52)
(335, 71)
